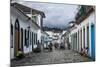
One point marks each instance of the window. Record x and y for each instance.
(34, 38)
(28, 42)
(78, 40)
(81, 39)
(34, 18)
(30, 38)
(75, 41)
(84, 37)
(11, 31)
(87, 36)
(25, 38)
(22, 38)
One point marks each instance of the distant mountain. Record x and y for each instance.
(51, 29)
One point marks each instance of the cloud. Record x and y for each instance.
(57, 15)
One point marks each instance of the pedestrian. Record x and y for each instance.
(62, 46)
(86, 51)
(56, 45)
(68, 45)
(50, 46)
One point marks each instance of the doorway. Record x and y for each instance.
(17, 37)
(93, 41)
(22, 39)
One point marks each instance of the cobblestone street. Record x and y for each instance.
(54, 57)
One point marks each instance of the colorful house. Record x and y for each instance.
(82, 34)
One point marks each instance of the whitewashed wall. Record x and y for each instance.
(39, 24)
(24, 23)
(87, 21)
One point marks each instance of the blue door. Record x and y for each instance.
(93, 41)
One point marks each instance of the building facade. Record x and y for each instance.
(25, 29)
(82, 38)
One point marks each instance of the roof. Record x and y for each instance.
(27, 10)
(88, 10)
(44, 32)
(24, 14)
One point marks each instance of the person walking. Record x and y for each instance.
(50, 46)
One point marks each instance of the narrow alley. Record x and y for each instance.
(47, 36)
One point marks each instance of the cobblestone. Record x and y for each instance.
(54, 57)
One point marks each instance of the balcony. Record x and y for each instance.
(83, 13)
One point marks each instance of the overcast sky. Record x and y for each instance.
(57, 15)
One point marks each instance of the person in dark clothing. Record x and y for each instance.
(68, 45)
(62, 46)
(50, 46)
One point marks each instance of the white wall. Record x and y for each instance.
(85, 23)
(38, 21)
(24, 23)
(39, 35)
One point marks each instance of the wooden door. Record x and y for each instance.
(17, 37)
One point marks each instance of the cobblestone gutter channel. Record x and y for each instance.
(54, 57)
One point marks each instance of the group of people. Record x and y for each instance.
(51, 45)
(58, 46)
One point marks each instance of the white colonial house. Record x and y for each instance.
(26, 24)
(82, 35)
